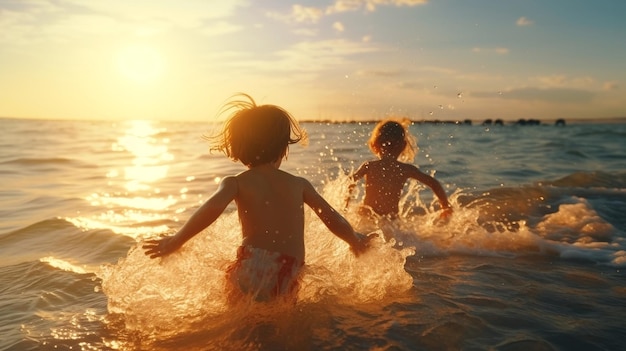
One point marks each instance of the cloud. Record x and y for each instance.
(561, 80)
(554, 95)
(370, 5)
(312, 15)
(499, 51)
(523, 22)
(314, 56)
(304, 14)
(66, 20)
(382, 73)
(338, 26)
(610, 86)
(183, 14)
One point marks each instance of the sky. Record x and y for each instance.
(330, 60)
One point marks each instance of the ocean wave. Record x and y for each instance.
(573, 218)
(46, 163)
(605, 132)
(34, 295)
(597, 179)
(59, 238)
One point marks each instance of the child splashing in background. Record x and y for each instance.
(385, 178)
(269, 204)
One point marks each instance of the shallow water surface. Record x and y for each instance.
(533, 257)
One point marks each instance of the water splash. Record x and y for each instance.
(178, 294)
(510, 222)
(182, 297)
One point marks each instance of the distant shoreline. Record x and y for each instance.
(485, 122)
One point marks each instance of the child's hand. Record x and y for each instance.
(363, 244)
(446, 213)
(444, 217)
(159, 247)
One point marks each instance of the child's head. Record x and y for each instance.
(391, 137)
(256, 135)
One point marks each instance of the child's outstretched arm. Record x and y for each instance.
(335, 222)
(436, 187)
(202, 218)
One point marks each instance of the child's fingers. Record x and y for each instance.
(371, 236)
(443, 217)
(153, 248)
(364, 243)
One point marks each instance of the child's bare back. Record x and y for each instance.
(385, 183)
(270, 204)
(385, 178)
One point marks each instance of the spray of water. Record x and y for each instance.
(184, 294)
(180, 293)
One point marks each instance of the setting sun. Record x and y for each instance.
(140, 64)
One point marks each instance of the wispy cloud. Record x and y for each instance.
(60, 21)
(561, 80)
(499, 50)
(319, 55)
(303, 14)
(610, 86)
(553, 95)
(370, 5)
(383, 73)
(523, 22)
(311, 14)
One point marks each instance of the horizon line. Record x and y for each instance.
(467, 121)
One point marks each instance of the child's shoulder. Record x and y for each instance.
(408, 166)
(254, 179)
(369, 163)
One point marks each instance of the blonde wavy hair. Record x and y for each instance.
(391, 137)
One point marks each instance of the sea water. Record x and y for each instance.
(533, 257)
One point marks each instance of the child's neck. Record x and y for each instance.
(388, 158)
(269, 165)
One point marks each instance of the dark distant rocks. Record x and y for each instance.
(489, 121)
(467, 122)
(528, 122)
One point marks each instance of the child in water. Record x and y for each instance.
(269, 203)
(385, 177)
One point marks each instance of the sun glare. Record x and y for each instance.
(141, 64)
